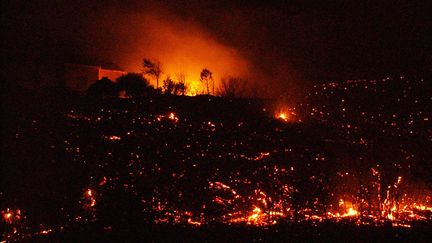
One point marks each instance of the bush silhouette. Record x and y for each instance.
(103, 88)
(168, 86)
(135, 85)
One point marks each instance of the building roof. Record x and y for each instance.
(110, 66)
(103, 65)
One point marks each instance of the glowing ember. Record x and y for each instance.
(7, 216)
(199, 171)
(257, 217)
(89, 199)
(114, 138)
(173, 117)
(45, 232)
(10, 216)
(122, 94)
(192, 222)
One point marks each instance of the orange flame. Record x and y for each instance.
(286, 114)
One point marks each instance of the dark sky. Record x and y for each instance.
(290, 43)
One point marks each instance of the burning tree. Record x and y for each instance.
(205, 78)
(152, 68)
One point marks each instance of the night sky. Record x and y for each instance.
(287, 43)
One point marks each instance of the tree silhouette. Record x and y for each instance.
(103, 88)
(205, 78)
(180, 87)
(232, 87)
(171, 87)
(152, 68)
(168, 85)
(134, 84)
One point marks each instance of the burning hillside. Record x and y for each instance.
(200, 163)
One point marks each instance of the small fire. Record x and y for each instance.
(256, 217)
(194, 88)
(283, 116)
(423, 208)
(192, 222)
(10, 216)
(7, 217)
(45, 232)
(172, 116)
(89, 192)
(351, 212)
(114, 138)
(90, 200)
(286, 115)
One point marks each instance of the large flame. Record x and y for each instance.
(182, 46)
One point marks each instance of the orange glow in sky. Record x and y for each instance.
(182, 46)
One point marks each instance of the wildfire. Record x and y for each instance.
(194, 88)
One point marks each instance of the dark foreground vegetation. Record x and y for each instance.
(165, 167)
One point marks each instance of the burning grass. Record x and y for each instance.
(131, 164)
